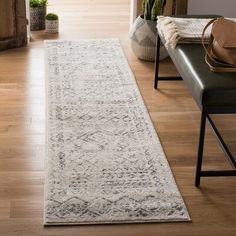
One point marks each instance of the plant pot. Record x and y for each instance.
(143, 35)
(52, 26)
(37, 18)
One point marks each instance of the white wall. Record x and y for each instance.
(220, 7)
(28, 17)
(133, 11)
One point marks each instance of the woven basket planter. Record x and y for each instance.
(143, 40)
(52, 26)
(37, 18)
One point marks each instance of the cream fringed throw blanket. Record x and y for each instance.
(182, 30)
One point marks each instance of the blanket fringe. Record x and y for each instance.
(165, 24)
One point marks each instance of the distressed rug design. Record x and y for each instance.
(104, 161)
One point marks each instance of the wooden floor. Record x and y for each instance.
(173, 111)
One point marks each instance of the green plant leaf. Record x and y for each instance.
(153, 8)
(38, 3)
(51, 16)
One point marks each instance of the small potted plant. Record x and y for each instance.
(37, 14)
(143, 32)
(52, 25)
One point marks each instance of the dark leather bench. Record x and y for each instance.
(215, 93)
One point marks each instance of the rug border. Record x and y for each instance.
(118, 222)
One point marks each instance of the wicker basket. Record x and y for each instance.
(143, 40)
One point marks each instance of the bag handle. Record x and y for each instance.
(223, 67)
(207, 50)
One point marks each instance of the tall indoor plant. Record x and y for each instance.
(153, 8)
(143, 32)
(38, 9)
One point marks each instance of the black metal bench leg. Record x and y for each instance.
(200, 148)
(157, 64)
(158, 44)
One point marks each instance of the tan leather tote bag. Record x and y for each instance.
(221, 51)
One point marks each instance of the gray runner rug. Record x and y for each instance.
(104, 161)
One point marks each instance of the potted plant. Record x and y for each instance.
(143, 32)
(37, 14)
(52, 25)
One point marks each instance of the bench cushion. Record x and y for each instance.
(208, 88)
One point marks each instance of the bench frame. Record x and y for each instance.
(206, 111)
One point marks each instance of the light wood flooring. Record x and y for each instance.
(172, 109)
